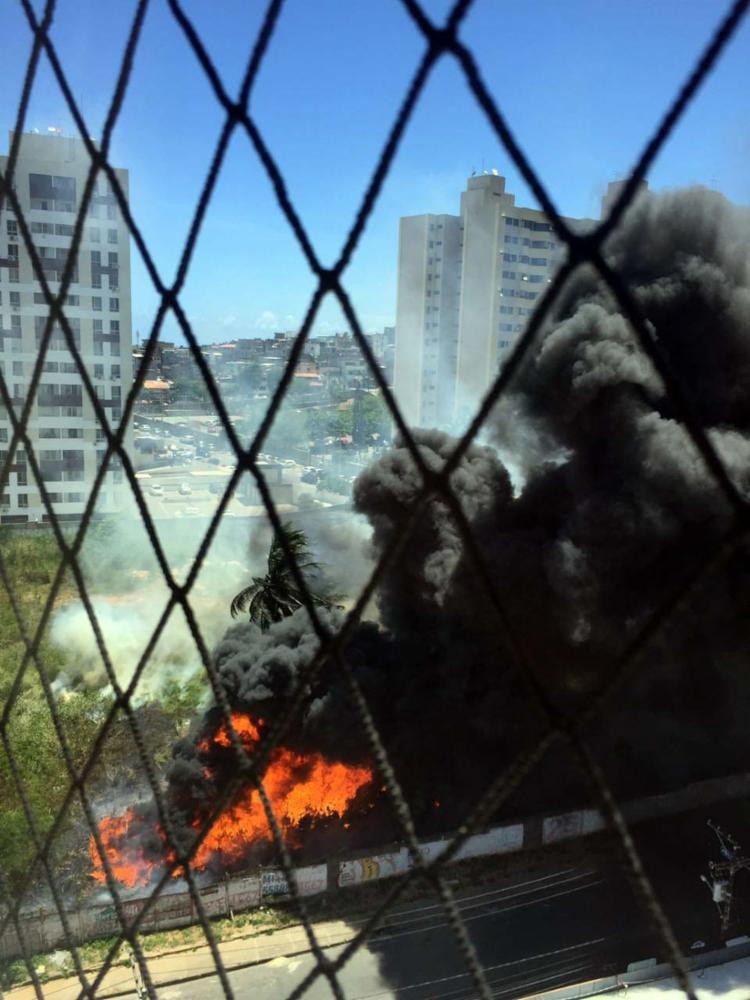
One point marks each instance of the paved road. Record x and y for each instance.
(530, 934)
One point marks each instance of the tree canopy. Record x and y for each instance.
(275, 596)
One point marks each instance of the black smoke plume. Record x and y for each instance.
(615, 510)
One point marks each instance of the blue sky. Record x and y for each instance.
(582, 83)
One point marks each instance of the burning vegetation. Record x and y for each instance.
(304, 791)
(614, 512)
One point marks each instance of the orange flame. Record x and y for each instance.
(299, 787)
(127, 862)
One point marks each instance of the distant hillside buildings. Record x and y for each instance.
(251, 368)
(466, 286)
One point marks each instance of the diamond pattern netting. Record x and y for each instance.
(442, 42)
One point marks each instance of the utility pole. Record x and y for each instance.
(721, 874)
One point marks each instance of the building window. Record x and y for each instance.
(18, 367)
(11, 227)
(98, 371)
(23, 499)
(96, 303)
(114, 326)
(98, 326)
(52, 193)
(114, 305)
(111, 236)
(40, 299)
(15, 300)
(115, 372)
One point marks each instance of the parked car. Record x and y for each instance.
(156, 490)
(185, 489)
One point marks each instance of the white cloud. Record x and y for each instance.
(267, 321)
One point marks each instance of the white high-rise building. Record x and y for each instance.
(466, 286)
(49, 180)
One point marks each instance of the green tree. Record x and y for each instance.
(275, 596)
(39, 765)
(334, 483)
(251, 378)
(289, 432)
(190, 389)
(375, 415)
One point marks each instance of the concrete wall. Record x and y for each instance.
(43, 930)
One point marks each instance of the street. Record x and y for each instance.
(534, 933)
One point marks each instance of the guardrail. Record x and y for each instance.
(647, 972)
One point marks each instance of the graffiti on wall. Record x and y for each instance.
(572, 824)
(244, 892)
(309, 881)
(371, 868)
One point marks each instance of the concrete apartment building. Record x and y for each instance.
(49, 180)
(466, 285)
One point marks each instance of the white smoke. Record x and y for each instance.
(128, 593)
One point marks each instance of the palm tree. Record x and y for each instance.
(275, 596)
